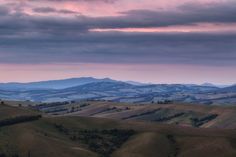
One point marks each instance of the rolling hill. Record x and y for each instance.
(176, 114)
(70, 136)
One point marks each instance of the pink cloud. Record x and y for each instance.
(204, 27)
(101, 8)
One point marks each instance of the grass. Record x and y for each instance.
(74, 136)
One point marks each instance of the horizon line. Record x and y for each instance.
(60, 79)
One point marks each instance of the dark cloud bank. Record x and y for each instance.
(46, 39)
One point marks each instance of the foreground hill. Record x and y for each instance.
(93, 137)
(177, 114)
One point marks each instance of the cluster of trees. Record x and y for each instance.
(175, 146)
(197, 122)
(4, 155)
(60, 107)
(56, 110)
(84, 105)
(162, 119)
(19, 119)
(142, 114)
(48, 105)
(163, 102)
(78, 107)
(62, 129)
(103, 142)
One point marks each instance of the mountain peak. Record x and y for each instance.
(54, 84)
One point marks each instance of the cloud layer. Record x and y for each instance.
(52, 34)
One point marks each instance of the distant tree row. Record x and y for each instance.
(19, 119)
(197, 122)
(4, 155)
(167, 118)
(163, 102)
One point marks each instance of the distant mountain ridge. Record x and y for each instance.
(136, 83)
(215, 85)
(72, 82)
(88, 88)
(208, 84)
(53, 84)
(229, 89)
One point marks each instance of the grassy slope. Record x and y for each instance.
(181, 114)
(226, 115)
(11, 111)
(40, 138)
(152, 139)
(149, 144)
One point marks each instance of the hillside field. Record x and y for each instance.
(53, 136)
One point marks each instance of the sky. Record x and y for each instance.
(158, 41)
